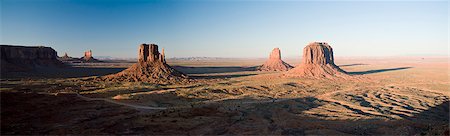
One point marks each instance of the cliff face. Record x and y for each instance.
(318, 53)
(23, 58)
(148, 53)
(274, 63)
(151, 67)
(318, 61)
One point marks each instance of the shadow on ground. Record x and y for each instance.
(68, 72)
(356, 64)
(76, 72)
(377, 71)
(210, 70)
(219, 76)
(31, 113)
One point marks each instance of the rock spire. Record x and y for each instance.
(274, 63)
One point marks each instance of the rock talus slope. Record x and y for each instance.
(318, 61)
(151, 67)
(274, 63)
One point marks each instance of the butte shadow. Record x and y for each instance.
(356, 64)
(377, 71)
(211, 70)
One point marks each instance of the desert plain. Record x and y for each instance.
(385, 96)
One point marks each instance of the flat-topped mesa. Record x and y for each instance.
(151, 67)
(25, 58)
(274, 63)
(318, 61)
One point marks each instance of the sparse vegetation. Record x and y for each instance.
(391, 102)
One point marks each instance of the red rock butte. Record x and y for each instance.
(274, 63)
(88, 57)
(65, 55)
(318, 62)
(151, 67)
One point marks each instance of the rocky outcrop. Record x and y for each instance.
(65, 55)
(274, 63)
(151, 67)
(318, 61)
(25, 58)
(88, 57)
(68, 59)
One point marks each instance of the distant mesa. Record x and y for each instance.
(151, 67)
(274, 63)
(318, 62)
(87, 58)
(25, 58)
(65, 55)
(67, 58)
(87, 55)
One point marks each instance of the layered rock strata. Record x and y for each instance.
(25, 58)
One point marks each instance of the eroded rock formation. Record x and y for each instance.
(66, 58)
(274, 63)
(88, 57)
(24, 58)
(65, 55)
(318, 61)
(151, 67)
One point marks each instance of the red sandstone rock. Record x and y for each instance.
(151, 67)
(24, 58)
(88, 57)
(318, 61)
(274, 63)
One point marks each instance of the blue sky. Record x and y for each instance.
(227, 28)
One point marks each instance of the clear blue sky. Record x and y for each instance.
(227, 28)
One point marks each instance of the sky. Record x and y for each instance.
(219, 28)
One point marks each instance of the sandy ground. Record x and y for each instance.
(394, 96)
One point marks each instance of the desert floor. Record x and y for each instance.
(395, 96)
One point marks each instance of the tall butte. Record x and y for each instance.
(318, 62)
(151, 67)
(274, 63)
